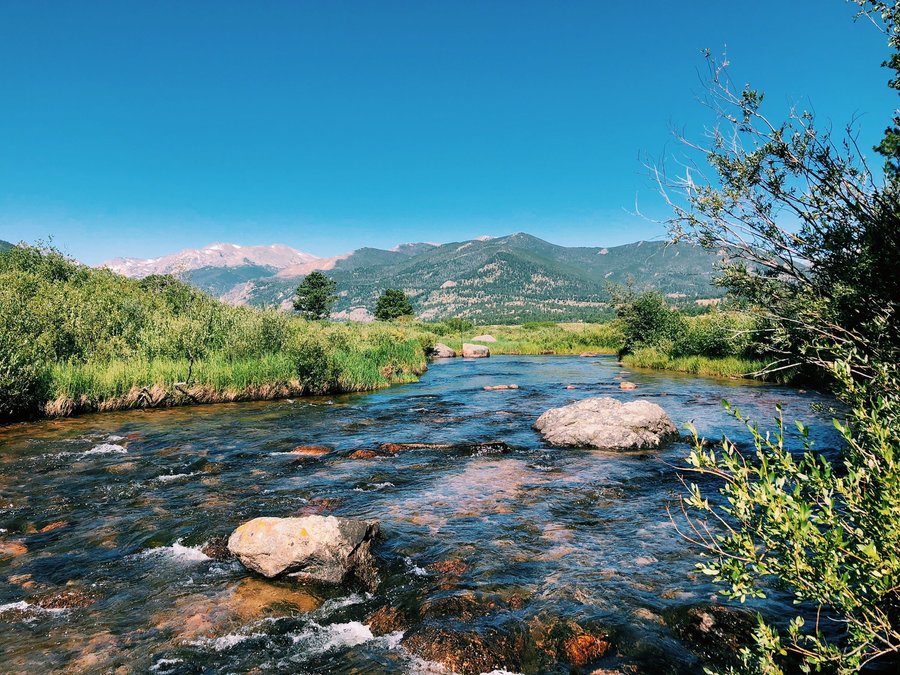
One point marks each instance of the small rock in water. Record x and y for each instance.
(312, 548)
(470, 651)
(470, 351)
(500, 387)
(363, 454)
(442, 351)
(590, 355)
(571, 386)
(713, 631)
(311, 450)
(11, 549)
(607, 423)
(581, 650)
(386, 620)
(627, 386)
(68, 599)
(395, 448)
(217, 549)
(454, 567)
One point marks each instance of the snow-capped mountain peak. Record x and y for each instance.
(222, 254)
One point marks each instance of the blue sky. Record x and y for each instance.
(142, 128)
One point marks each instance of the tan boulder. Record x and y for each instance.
(470, 351)
(442, 351)
(315, 548)
(607, 423)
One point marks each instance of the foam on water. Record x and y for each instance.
(415, 569)
(169, 477)
(30, 611)
(316, 638)
(178, 552)
(374, 487)
(20, 606)
(339, 603)
(164, 664)
(224, 642)
(105, 449)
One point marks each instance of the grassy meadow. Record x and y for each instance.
(75, 339)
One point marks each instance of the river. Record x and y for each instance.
(104, 520)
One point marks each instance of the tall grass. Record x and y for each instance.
(721, 366)
(539, 338)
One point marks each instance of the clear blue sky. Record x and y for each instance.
(139, 128)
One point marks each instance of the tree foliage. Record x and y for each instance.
(811, 238)
(393, 304)
(315, 296)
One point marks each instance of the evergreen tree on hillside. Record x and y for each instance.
(393, 304)
(315, 296)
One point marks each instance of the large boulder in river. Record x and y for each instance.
(314, 548)
(442, 351)
(607, 423)
(471, 351)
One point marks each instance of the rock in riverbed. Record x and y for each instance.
(607, 423)
(470, 351)
(313, 548)
(442, 351)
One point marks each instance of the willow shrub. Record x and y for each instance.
(829, 532)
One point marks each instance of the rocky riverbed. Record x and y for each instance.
(497, 550)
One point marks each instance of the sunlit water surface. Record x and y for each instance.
(116, 507)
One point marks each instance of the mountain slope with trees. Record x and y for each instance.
(510, 279)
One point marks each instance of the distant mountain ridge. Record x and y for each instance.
(274, 256)
(506, 279)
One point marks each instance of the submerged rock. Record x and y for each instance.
(442, 351)
(396, 448)
(567, 640)
(713, 632)
(386, 620)
(607, 423)
(311, 450)
(468, 651)
(627, 386)
(363, 454)
(67, 599)
(216, 548)
(470, 351)
(500, 387)
(314, 548)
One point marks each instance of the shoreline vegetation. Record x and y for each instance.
(76, 340)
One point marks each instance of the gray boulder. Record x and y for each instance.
(470, 351)
(607, 423)
(314, 548)
(442, 351)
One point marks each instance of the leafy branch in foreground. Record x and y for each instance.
(829, 532)
(811, 240)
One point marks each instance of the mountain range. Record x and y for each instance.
(505, 279)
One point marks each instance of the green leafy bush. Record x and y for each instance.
(649, 322)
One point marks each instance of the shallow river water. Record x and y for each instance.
(104, 518)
